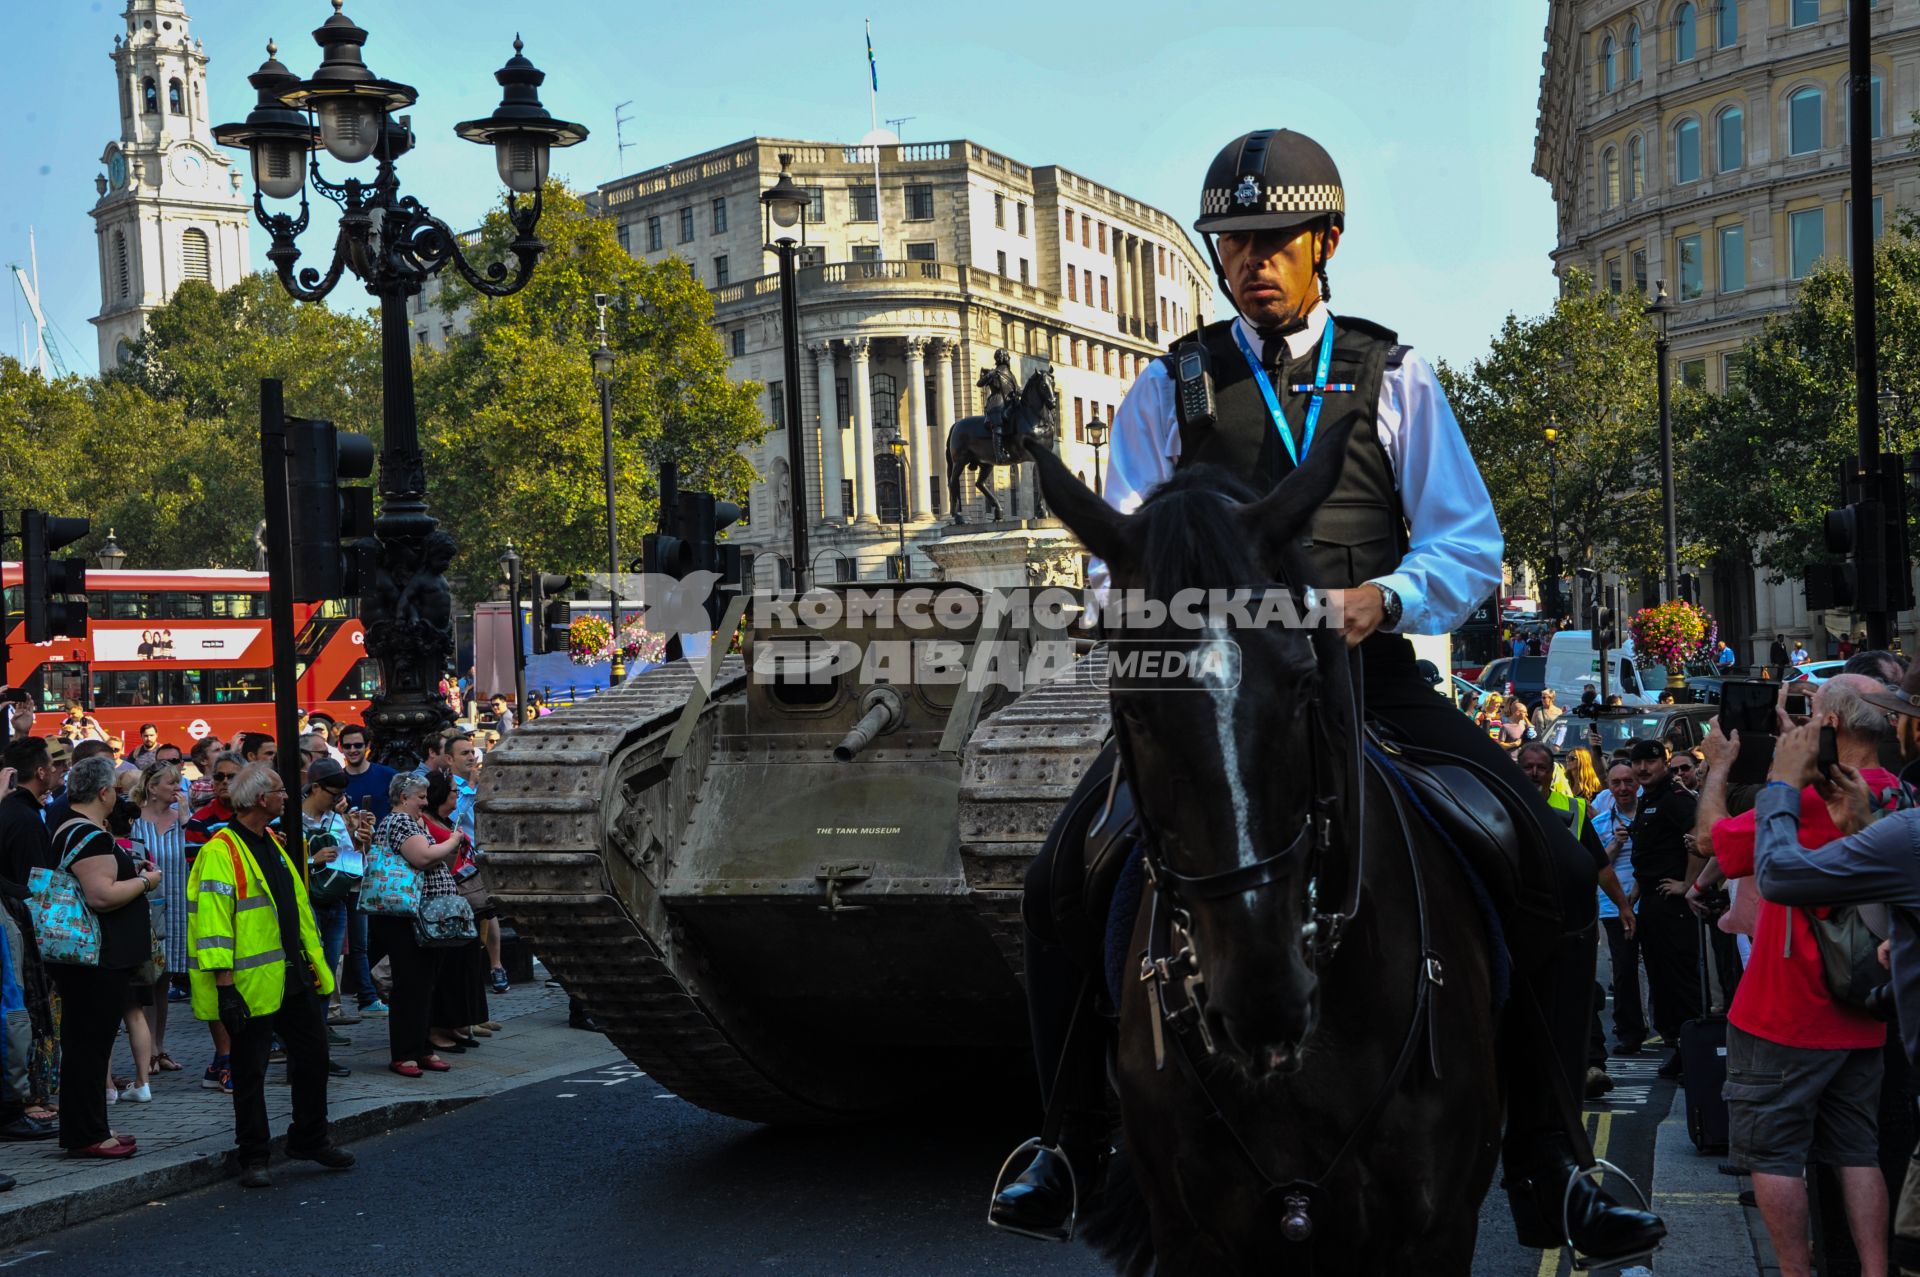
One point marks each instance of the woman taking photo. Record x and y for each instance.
(93, 998)
(460, 994)
(415, 967)
(1514, 728)
(159, 836)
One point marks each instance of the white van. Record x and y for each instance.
(1573, 665)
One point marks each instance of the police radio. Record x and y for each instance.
(1193, 384)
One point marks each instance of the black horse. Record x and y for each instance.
(1034, 412)
(1306, 1060)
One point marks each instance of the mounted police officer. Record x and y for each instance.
(1001, 387)
(1408, 544)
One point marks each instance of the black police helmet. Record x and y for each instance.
(1269, 180)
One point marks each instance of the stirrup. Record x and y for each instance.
(1037, 1145)
(1581, 1263)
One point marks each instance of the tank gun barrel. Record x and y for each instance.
(883, 715)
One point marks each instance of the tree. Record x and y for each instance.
(1761, 463)
(1585, 368)
(510, 414)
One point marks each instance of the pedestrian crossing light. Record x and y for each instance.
(553, 614)
(1605, 633)
(323, 513)
(47, 616)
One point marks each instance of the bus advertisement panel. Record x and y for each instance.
(189, 652)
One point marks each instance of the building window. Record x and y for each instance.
(1846, 216)
(196, 262)
(1079, 419)
(1633, 55)
(176, 98)
(126, 98)
(886, 404)
(1101, 234)
(626, 238)
(1026, 271)
(1693, 374)
(739, 338)
(1803, 122)
(1068, 213)
(1000, 210)
(720, 216)
(720, 271)
(1692, 274)
(1086, 231)
(1609, 179)
(1614, 280)
(1686, 151)
(1640, 271)
(1726, 24)
(1020, 218)
(1873, 107)
(920, 202)
(1609, 65)
(1073, 291)
(1805, 11)
(1001, 258)
(866, 253)
(1636, 167)
(1160, 251)
(921, 251)
(844, 567)
(653, 234)
(865, 204)
(1733, 372)
(1104, 304)
(777, 404)
(1807, 233)
(1732, 142)
(686, 226)
(1686, 34)
(121, 262)
(149, 97)
(1733, 258)
(817, 204)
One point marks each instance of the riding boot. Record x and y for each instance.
(1546, 1146)
(1044, 1199)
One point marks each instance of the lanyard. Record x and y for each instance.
(1319, 388)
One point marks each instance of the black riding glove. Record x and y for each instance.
(233, 1009)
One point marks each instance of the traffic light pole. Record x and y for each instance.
(519, 637)
(1866, 359)
(279, 537)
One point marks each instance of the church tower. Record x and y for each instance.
(170, 206)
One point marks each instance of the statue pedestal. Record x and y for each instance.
(1010, 554)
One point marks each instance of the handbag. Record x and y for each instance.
(391, 886)
(444, 922)
(65, 928)
(470, 880)
(154, 969)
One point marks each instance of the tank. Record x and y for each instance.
(796, 898)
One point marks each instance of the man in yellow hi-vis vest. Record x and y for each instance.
(256, 966)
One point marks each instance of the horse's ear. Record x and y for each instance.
(1100, 527)
(1274, 523)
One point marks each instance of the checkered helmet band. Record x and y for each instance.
(1320, 198)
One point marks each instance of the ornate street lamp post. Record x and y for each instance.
(1662, 311)
(603, 374)
(1554, 567)
(784, 206)
(111, 556)
(510, 573)
(898, 447)
(1097, 436)
(394, 245)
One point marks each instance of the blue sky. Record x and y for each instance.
(1428, 108)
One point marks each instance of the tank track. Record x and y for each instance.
(569, 801)
(1019, 768)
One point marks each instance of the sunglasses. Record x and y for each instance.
(353, 744)
(1683, 767)
(225, 775)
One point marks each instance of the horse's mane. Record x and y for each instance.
(1189, 537)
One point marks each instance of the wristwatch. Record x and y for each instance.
(1390, 600)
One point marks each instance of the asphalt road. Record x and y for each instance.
(602, 1174)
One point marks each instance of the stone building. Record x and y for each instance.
(170, 205)
(1703, 143)
(903, 302)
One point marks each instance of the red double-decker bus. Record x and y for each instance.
(189, 652)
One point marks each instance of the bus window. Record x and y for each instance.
(240, 606)
(97, 604)
(57, 684)
(181, 687)
(116, 688)
(333, 608)
(231, 687)
(13, 596)
(362, 684)
(133, 605)
(182, 606)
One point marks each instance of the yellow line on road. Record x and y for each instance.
(1602, 1134)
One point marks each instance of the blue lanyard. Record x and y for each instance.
(1319, 389)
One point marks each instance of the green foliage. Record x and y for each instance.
(1586, 369)
(510, 413)
(1761, 464)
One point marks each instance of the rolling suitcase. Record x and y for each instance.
(1703, 1056)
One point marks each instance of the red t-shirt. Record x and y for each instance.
(1784, 999)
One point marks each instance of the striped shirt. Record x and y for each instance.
(168, 849)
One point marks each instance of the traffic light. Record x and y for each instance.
(322, 513)
(552, 615)
(41, 578)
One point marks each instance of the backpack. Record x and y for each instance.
(1849, 954)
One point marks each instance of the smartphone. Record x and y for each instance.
(1799, 704)
(1829, 756)
(1747, 707)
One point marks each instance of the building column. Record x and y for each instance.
(858, 350)
(942, 411)
(831, 454)
(1123, 279)
(918, 451)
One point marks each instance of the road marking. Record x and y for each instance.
(567, 1095)
(613, 1075)
(21, 1259)
(666, 1095)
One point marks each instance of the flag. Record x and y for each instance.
(873, 68)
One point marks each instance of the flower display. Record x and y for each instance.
(1672, 634)
(590, 641)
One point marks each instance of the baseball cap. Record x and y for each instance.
(324, 771)
(1905, 700)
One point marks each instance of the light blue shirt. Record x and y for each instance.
(463, 809)
(1453, 560)
(1605, 821)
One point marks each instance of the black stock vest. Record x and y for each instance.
(1360, 531)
